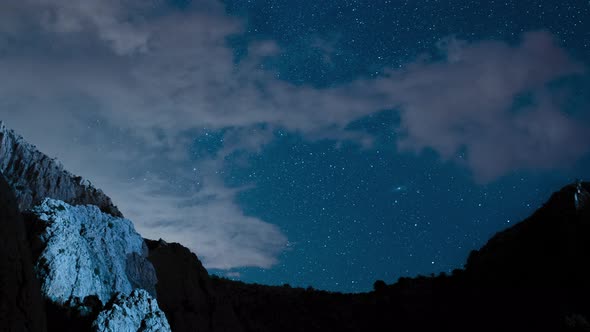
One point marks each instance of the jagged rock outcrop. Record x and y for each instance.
(34, 176)
(185, 292)
(87, 254)
(21, 303)
(137, 311)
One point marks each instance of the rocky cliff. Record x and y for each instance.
(546, 249)
(77, 261)
(34, 176)
(89, 253)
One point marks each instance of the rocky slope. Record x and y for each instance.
(21, 303)
(34, 176)
(89, 253)
(87, 258)
(137, 311)
(93, 269)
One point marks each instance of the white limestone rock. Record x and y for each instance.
(34, 176)
(89, 253)
(136, 312)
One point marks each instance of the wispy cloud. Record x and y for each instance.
(119, 89)
(466, 102)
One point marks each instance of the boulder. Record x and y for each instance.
(88, 254)
(137, 311)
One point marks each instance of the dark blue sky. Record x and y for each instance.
(322, 143)
(365, 36)
(353, 216)
(356, 215)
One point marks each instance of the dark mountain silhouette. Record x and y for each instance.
(69, 260)
(547, 248)
(185, 291)
(21, 303)
(533, 276)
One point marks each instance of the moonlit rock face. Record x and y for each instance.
(34, 176)
(136, 312)
(581, 197)
(88, 252)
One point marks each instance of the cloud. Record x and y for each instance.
(208, 220)
(466, 103)
(118, 23)
(118, 90)
(327, 48)
(233, 274)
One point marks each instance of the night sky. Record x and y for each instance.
(315, 143)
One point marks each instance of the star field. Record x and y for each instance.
(352, 38)
(354, 215)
